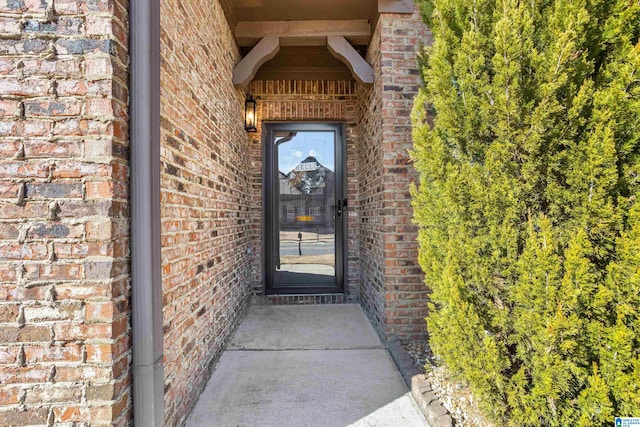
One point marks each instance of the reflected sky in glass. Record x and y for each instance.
(316, 144)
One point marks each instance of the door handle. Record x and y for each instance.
(341, 205)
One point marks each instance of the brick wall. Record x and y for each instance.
(393, 292)
(64, 237)
(205, 197)
(306, 101)
(370, 181)
(64, 274)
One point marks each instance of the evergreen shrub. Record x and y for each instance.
(527, 141)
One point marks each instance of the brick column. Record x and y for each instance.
(406, 294)
(64, 274)
(392, 288)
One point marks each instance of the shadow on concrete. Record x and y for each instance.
(320, 365)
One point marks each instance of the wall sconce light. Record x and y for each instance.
(250, 114)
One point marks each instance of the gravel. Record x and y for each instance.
(455, 397)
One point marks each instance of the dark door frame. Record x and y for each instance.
(269, 207)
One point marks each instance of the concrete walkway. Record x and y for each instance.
(317, 365)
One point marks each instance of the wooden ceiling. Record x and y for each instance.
(302, 28)
(295, 10)
(304, 63)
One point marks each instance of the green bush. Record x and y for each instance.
(527, 140)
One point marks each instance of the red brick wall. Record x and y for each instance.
(406, 294)
(371, 189)
(305, 101)
(205, 197)
(393, 292)
(64, 238)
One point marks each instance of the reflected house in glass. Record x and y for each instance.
(307, 195)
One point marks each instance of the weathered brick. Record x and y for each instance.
(9, 312)
(9, 231)
(26, 47)
(26, 88)
(100, 392)
(10, 26)
(63, 25)
(27, 251)
(99, 311)
(58, 393)
(7, 274)
(69, 332)
(67, 352)
(62, 311)
(28, 417)
(99, 353)
(54, 190)
(83, 46)
(70, 251)
(8, 355)
(99, 25)
(58, 271)
(99, 190)
(27, 333)
(72, 87)
(9, 128)
(10, 395)
(59, 107)
(58, 72)
(48, 150)
(70, 414)
(84, 373)
(37, 128)
(54, 231)
(97, 270)
(21, 169)
(24, 375)
(9, 108)
(97, 67)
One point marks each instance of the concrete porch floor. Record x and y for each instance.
(314, 365)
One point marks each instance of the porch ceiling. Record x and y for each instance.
(344, 26)
(301, 10)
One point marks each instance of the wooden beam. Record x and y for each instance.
(266, 49)
(229, 12)
(395, 6)
(303, 33)
(341, 49)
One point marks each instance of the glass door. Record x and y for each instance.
(305, 208)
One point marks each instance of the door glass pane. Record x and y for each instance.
(306, 184)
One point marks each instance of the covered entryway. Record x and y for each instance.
(132, 195)
(304, 207)
(351, 68)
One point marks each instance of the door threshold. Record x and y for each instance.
(304, 290)
(303, 299)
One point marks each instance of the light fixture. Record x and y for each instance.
(250, 114)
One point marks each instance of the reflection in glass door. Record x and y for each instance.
(305, 208)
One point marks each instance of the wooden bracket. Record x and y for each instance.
(246, 69)
(342, 49)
